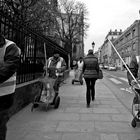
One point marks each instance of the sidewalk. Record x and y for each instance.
(106, 119)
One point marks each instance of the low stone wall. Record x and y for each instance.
(25, 94)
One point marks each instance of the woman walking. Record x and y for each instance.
(90, 71)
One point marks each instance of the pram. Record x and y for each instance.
(46, 94)
(78, 77)
(136, 103)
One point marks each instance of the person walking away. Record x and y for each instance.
(80, 64)
(91, 72)
(56, 68)
(9, 62)
(133, 68)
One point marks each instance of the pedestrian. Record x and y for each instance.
(91, 72)
(74, 64)
(9, 62)
(133, 67)
(56, 68)
(80, 64)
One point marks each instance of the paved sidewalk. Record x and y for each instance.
(106, 119)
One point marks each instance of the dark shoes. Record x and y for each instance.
(93, 98)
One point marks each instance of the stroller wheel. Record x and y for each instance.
(57, 102)
(133, 123)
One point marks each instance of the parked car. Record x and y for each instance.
(105, 67)
(101, 66)
(112, 68)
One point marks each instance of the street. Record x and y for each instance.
(118, 80)
(108, 118)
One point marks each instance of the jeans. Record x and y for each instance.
(57, 83)
(5, 103)
(56, 86)
(90, 93)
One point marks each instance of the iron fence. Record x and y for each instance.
(31, 44)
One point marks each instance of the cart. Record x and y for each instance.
(78, 76)
(46, 94)
(135, 104)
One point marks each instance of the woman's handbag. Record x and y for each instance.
(100, 74)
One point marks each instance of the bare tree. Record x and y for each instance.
(70, 22)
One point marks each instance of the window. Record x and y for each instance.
(134, 46)
(133, 33)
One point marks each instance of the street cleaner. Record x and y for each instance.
(9, 63)
(55, 68)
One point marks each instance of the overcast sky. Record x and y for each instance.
(109, 14)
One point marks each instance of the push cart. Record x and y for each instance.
(78, 76)
(135, 103)
(46, 96)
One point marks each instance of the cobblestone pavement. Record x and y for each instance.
(106, 119)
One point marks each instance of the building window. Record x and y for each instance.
(133, 33)
(134, 46)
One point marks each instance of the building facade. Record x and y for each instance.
(126, 44)
(105, 50)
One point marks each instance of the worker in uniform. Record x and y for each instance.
(56, 67)
(9, 61)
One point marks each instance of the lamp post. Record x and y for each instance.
(93, 45)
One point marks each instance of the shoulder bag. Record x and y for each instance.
(100, 74)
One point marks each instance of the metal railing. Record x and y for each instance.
(31, 45)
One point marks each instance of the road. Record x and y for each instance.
(119, 78)
(118, 83)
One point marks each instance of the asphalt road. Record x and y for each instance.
(118, 83)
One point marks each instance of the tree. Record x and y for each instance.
(17, 8)
(70, 22)
(40, 16)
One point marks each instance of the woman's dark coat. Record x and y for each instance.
(91, 66)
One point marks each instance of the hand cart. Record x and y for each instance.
(46, 96)
(78, 76)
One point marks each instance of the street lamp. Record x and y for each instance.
(93, 45)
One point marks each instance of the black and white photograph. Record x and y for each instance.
(69, 69)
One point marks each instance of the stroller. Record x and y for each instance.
(46, 95)
(136, 103)
(78, 77)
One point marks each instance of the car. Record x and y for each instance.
(112, 68)
(105, 67)
(101, 66)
